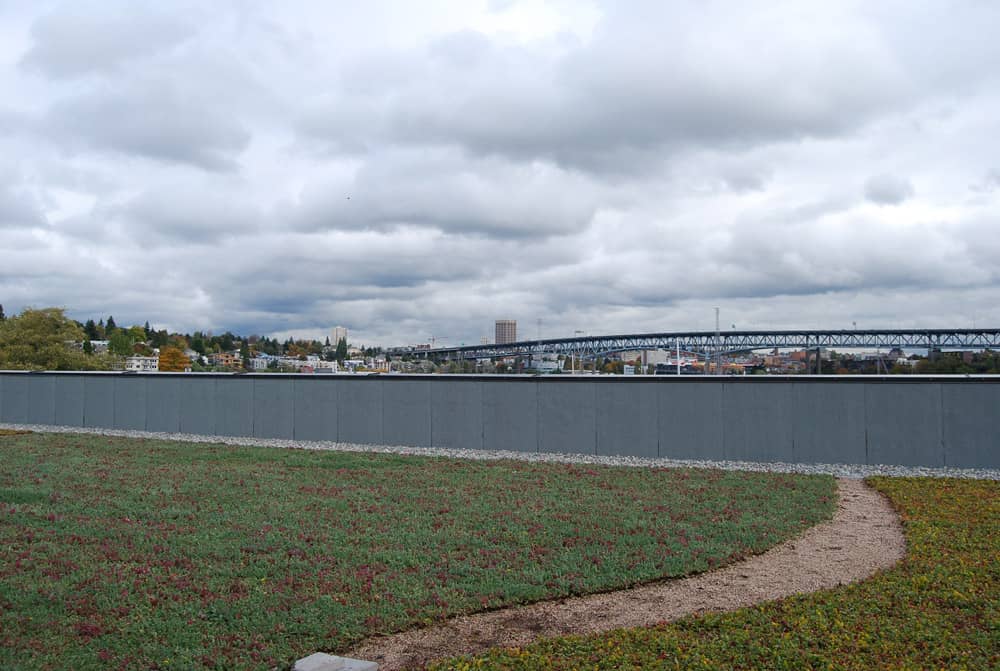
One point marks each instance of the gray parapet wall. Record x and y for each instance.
(936, 421)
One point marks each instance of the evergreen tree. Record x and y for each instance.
(341, 354)
(110, 326)
(2, 316)
(90, 328)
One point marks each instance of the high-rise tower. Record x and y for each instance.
(506, 331)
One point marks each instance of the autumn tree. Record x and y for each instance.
(173, 360)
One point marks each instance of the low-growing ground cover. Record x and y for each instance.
(133, 554)
(939, 609)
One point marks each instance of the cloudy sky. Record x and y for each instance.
(411, 170)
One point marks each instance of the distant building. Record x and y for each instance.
(506, 331)
(142, 364)
(226, 360)
(262, 361)
(337, 334)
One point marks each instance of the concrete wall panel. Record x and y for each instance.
(198, 405)
(757, 422)
(273, 407)
(163, 403)
(68, 396)
(627, 419)
(315, 400)
(828, 422)
(457, 414)
(130, 403)
(359, 409)
(406, 412)
(14, 408)
(567, 417)
(99, 401)
(41, 399)
(904, 424)
(971, 425)
(689, 426)
(234, 406)
(510, 416)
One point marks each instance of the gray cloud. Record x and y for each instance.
(888, 189)
(989, 183)
(81, 38)
(19, 209)
(453, 194)
(159, 120)
(618, 104)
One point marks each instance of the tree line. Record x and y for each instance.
(47, 339)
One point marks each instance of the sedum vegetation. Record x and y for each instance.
(939, 609)
(137, 554)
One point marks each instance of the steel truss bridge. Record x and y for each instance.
(711, 343)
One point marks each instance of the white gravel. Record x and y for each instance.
(838, 470)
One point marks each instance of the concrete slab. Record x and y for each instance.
(320, 661)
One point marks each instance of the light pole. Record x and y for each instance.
(572, 354)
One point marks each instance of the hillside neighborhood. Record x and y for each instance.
(46, 339)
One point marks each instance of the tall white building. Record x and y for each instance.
(337, 334)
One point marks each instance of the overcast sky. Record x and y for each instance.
(417, 169)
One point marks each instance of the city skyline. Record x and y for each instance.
(416, 173)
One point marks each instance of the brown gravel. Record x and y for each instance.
(864, 537)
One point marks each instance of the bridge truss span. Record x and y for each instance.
(731, 342)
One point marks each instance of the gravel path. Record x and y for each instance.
(865, 536)
(855, 471)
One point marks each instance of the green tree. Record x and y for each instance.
(198, 343)
(120, 342)
(341, 353)
(90, 328)
(44, 340)
(110, 326)
(137, 333)
(3, 316)
(159, 338)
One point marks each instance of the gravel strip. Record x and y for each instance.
(854, 471)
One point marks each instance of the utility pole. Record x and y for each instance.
(718, 353)
(572, 362)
